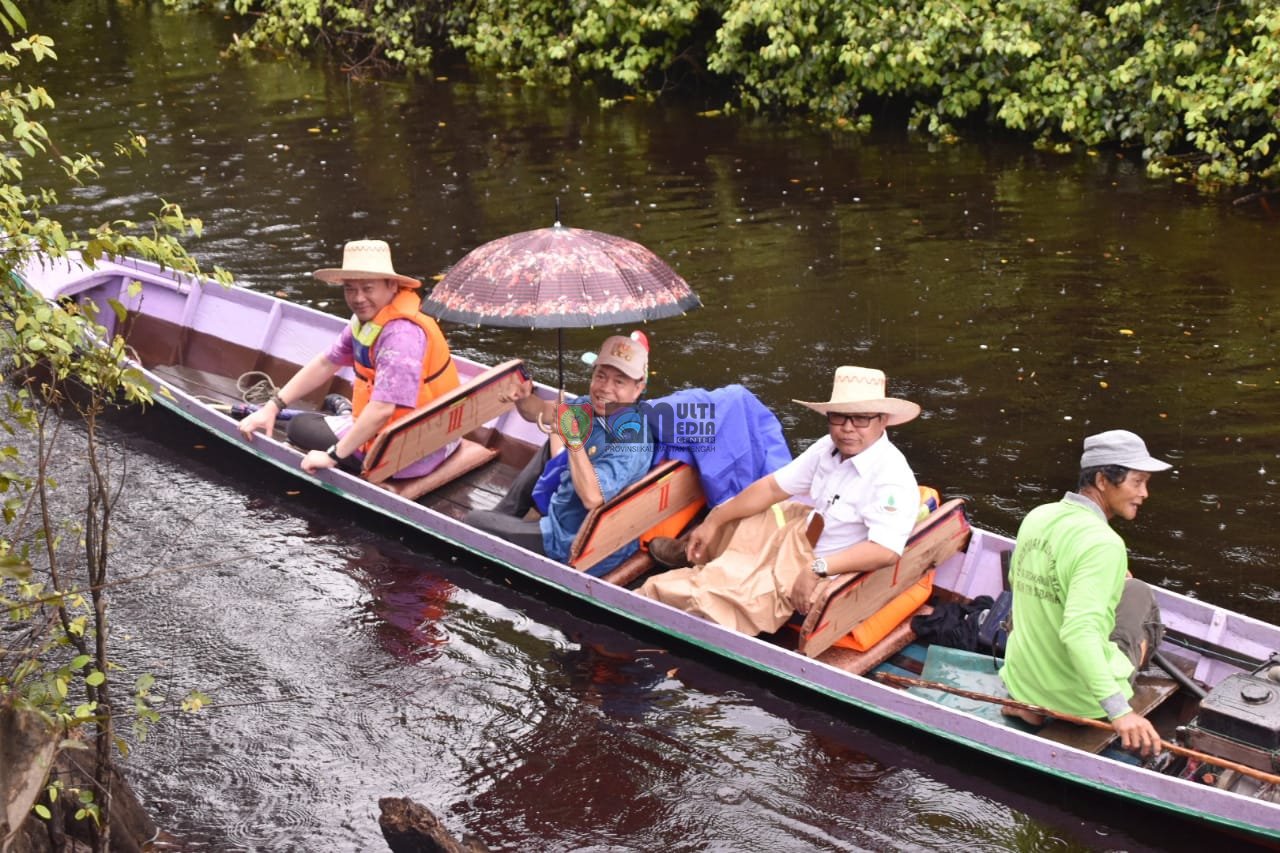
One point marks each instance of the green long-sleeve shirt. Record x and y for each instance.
(1068, 571)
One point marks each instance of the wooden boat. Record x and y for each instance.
(194, 339)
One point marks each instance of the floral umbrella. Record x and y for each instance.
(559, 278)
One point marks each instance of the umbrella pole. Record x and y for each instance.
(560, 360)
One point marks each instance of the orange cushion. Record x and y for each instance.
(672, 525)
(874, 628)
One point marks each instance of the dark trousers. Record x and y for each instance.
(309, 431)
(519, 498)
(507, 519)
(519, 531)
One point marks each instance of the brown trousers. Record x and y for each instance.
(748, 585)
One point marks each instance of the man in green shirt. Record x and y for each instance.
(1082, 625)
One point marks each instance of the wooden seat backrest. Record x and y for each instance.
(667, 488)
(449, 416)
(850, 598)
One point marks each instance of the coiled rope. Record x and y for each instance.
(255, 387)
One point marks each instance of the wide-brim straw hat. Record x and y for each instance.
(365, 259)
(860, 391)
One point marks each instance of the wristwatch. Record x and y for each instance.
(333, 453)
(819, 567)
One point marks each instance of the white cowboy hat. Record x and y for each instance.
(860, 390)
(362, 259)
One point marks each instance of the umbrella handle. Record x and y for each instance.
(549, 430)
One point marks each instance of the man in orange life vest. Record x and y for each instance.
(399, 355)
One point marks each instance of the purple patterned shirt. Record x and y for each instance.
(397, 355)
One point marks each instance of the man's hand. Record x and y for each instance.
(806, 590)
(530, 406)
(1137, 734)
(700, 540)
(262, 420)
(520, 390)
(317, 460)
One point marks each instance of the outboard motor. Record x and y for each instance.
(1240, 721)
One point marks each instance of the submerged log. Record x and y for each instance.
(28, 744)
(30, 758)
(412, 828)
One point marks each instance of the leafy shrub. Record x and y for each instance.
(368, 35)
(1191, 85)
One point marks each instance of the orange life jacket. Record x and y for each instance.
(438, 374)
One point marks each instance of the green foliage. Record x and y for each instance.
(1191, 85)
(53, 574)
(364, 35)
(144, 702)
(636, 44)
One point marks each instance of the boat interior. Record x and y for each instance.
(493, 458)
(491, 454)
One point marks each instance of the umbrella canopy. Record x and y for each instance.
(557, 278)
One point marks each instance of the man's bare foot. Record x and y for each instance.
(1029, 717)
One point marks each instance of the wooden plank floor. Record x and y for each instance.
(485, 486)
(1150, 689)
(200, 383)
(216, 387)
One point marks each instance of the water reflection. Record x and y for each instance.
(404, 606)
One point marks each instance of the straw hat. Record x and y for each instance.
(860, 391)
(363, 259)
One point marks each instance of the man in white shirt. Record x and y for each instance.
(757, 560)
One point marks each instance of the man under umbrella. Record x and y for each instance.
(602, 458)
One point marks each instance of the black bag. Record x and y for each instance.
(980, 625)
(994, 624)
(952, 624)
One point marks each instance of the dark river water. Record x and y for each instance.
(1024, 299)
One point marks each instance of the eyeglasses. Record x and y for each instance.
(840, 419)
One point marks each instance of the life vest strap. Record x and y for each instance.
(433, 377)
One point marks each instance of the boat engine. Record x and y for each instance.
(1240, 721)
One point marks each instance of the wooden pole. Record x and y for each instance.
(904, 681)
